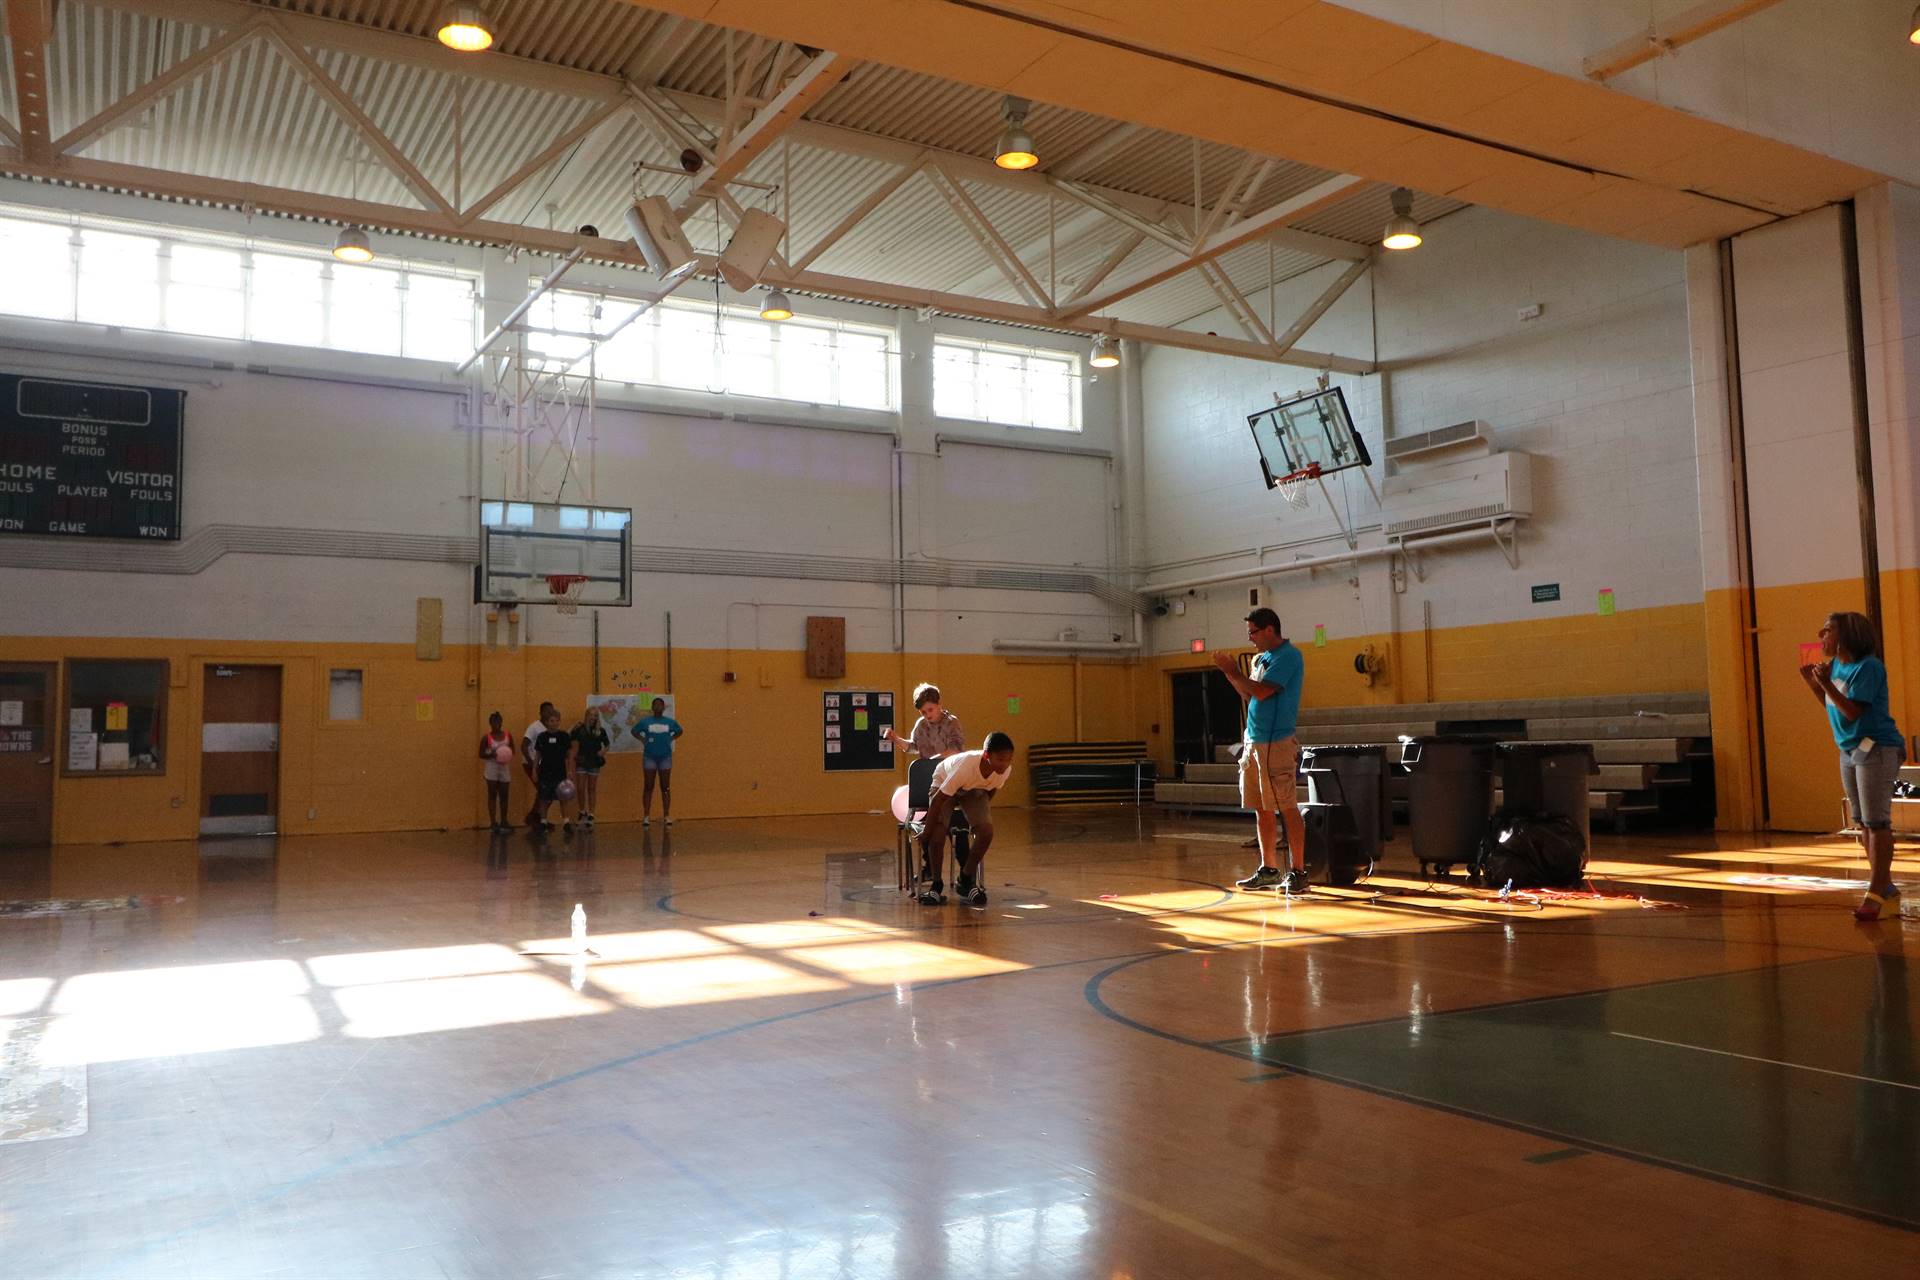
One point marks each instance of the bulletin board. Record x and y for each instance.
(850, 722)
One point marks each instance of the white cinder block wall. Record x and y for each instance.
(383, 445)
(1598, 389)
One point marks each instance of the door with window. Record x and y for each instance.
(240, 751)
(26, 753)
(1207, 715)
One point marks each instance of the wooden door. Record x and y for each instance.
(240, 751)
(26, 753)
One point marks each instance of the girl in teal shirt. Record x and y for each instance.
(1851, 684)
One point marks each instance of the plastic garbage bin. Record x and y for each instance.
(1451, 797)
(1363, 780)
(1549, 779)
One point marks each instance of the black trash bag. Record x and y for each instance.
(1530, 851)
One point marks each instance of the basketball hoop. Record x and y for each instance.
(1293, 487)
(566, 589)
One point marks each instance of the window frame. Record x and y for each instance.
(168, 238)
(161, 669)
(611, 309)
(326, 687)
(979, 347)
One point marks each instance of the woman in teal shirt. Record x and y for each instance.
(1852, 685)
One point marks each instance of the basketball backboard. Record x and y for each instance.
(1307, 432)
(523, 544)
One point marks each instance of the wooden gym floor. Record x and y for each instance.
(374, 1057)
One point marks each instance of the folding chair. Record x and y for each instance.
(906, 852)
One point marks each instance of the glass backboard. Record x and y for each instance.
(523, 544)
(1307, 432)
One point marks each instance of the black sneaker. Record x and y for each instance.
(930, 897)
(1264, 878)
(1295, 883)
(975, 895)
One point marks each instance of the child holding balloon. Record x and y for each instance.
(552, 751)
(496, 749)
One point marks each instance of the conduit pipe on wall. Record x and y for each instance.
(1073, 646)
(1488, 533)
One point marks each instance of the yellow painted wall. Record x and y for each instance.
(752, 747)
(1794, 745)
(1659, 650)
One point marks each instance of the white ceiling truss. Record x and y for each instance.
(248, 104)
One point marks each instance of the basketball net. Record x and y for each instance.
(1294, 487)
(566, 589)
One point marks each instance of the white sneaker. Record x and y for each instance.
(669, 822)
(646, 822)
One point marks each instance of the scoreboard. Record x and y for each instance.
(89, 459)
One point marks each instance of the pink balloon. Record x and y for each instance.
(900, 802)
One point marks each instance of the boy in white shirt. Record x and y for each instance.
(966, 779)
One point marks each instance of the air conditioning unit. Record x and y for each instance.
(1453, 495)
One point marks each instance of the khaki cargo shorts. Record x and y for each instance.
(1267, 775)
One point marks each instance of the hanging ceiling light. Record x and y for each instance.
(1402, 231)
(352, 245)
(464, 27)
(1106, 352)
(1913, 26)
(775, 307)
(1015, 150)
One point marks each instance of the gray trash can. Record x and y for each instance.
(1452, 797)
(1549, 779)
(1363, 781)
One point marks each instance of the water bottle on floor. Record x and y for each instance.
(579, 927)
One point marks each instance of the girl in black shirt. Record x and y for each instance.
(590, 743)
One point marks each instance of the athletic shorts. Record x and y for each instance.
(494, 771)
(550, 790)
(586, 772)
(1267, 775)
(650, 765)
(1869, 781)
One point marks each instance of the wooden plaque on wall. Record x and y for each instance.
(826, 648)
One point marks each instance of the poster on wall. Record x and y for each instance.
(619, 712)
(89, 459)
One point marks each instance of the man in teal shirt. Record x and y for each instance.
(1270, 751)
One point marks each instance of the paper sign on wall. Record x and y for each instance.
(1013, 705)
(833, 748)
(1606, 602)
(12, 712)
(423, 708)
(859, 721)
(886, 699)
(83, 752)
(116, 717)
(80, 720)
(1319, 635)
(859, 699)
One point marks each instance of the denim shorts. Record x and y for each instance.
(1869, 780)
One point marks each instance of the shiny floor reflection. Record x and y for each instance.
(384, 1057)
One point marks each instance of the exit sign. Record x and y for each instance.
(1197, 646)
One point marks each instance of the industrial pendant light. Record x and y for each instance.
(1015, 150)
(352, 245)
(1402, 231)
(1106, 352)
(464, 28)
(775, 307)
(1913, 26)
